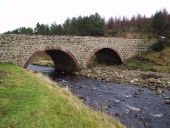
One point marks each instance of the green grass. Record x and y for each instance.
(151, 61)
(28, 100)
(135, 64)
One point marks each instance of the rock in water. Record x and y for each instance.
(159, 92)
(167, 101)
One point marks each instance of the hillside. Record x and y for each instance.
(151, 61)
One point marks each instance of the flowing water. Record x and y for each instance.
(134, 106)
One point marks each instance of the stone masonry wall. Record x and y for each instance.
(17, 49)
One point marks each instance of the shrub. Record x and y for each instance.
(159, 46)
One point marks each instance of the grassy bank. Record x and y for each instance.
(28, 100)
(151, 61)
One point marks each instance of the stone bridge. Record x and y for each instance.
(68, 52)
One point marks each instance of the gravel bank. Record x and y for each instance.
(118, 74)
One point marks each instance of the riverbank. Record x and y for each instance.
(29, 100)
(134, 106)
(118, 74)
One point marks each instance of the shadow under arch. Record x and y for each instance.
(63, 59)
(105, 55)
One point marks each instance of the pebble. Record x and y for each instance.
(157, 115)
(132, 81)
(118, 114)
(82, 98)
(168, 83)
(159, 82)
(167, 101)
(136, 80)
(151, 81)
(159, 92)
(135, 94)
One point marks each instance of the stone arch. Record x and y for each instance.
(63, 59)
(93, 53)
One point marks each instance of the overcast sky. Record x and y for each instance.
(18, 13)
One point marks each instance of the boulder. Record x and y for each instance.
(151, 81)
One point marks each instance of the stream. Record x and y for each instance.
(134, 106)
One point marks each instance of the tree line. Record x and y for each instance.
(158, 24)
(95, 25)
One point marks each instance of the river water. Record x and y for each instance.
(135, 107)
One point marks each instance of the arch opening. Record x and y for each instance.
(106, 56)
(63, 61)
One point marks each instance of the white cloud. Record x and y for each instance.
(17, 13)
